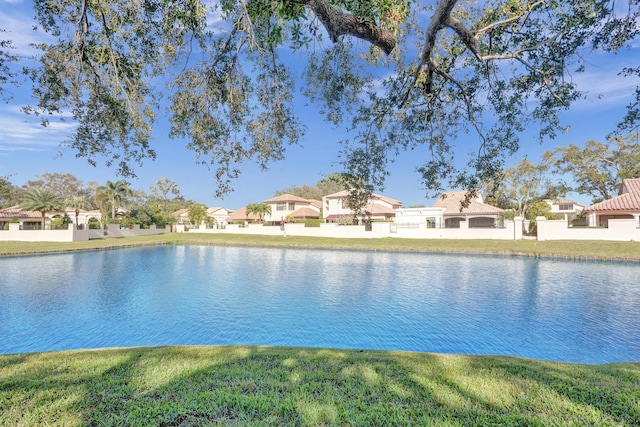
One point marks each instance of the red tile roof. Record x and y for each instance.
(15, 211)
(286, 198)
(305, 212)
(241, 215)
(629, 200)
(378, 209)
(345, 193)
(451, 202)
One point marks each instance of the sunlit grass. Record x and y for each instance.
(197, 386)
(565, 249)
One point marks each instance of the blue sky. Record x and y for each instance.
(28, 149)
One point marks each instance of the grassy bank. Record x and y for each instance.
(564, 249)
(198, 386)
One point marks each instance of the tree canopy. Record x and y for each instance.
(42, 200)
(598, 168)
(399, 74)
(332, 183)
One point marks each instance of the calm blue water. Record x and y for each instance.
(545, 309)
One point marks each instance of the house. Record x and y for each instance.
(29, 220)
(566, 207)
(624, 206)
(181, 216)
(32, 220)
(377, 208)
(477, 213)
(241, 216)
(413, 217)
(293, 207)
(219, 214)
(84, 216)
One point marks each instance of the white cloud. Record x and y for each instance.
(21, 132)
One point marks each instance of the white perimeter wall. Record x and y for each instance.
(619, 229)
(378, 230)
(72, 235)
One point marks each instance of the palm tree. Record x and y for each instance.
(258, 209)
(77, 203)
(197, 214)
(42, 200)
(112, 193)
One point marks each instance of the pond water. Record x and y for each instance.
(585, 312)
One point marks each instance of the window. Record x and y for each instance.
(292, 206)
(566, 207)
(281, 206)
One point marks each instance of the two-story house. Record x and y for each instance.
(288, 206)
(377, 208)
(566, 207)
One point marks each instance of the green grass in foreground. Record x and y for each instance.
(199, 386)
(565, 249)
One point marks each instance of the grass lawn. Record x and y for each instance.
(237, 385)
(199, 386)
(572, 249)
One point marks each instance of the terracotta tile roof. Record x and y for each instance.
(378, 209)
(393, 202)
(563, 201)
(286, 198)
(629, 200)
(316, 203)
(241, 215)
(211, 211)
(345, 193)
(179, 212)
(631, 186)
(305, 212)
(452, 199)
(15, 211)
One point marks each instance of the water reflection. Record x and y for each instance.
(547, 309)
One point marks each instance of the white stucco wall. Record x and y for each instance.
(72, 235)
(618, 230)
(378, 230)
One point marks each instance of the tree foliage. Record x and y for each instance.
(332, 183)
(7, 74)
(197, 214)
(521, 185)
(42, 200)
(537, 208)
(163, 187)
(111, 196)
(447, 69)
(259, 210)
(598, 168)
(9, 194)
(65, 185)
(77, 203)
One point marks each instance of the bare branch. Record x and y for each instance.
(479, 33)
(467, 100)
(466, 36)
(438, 22)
